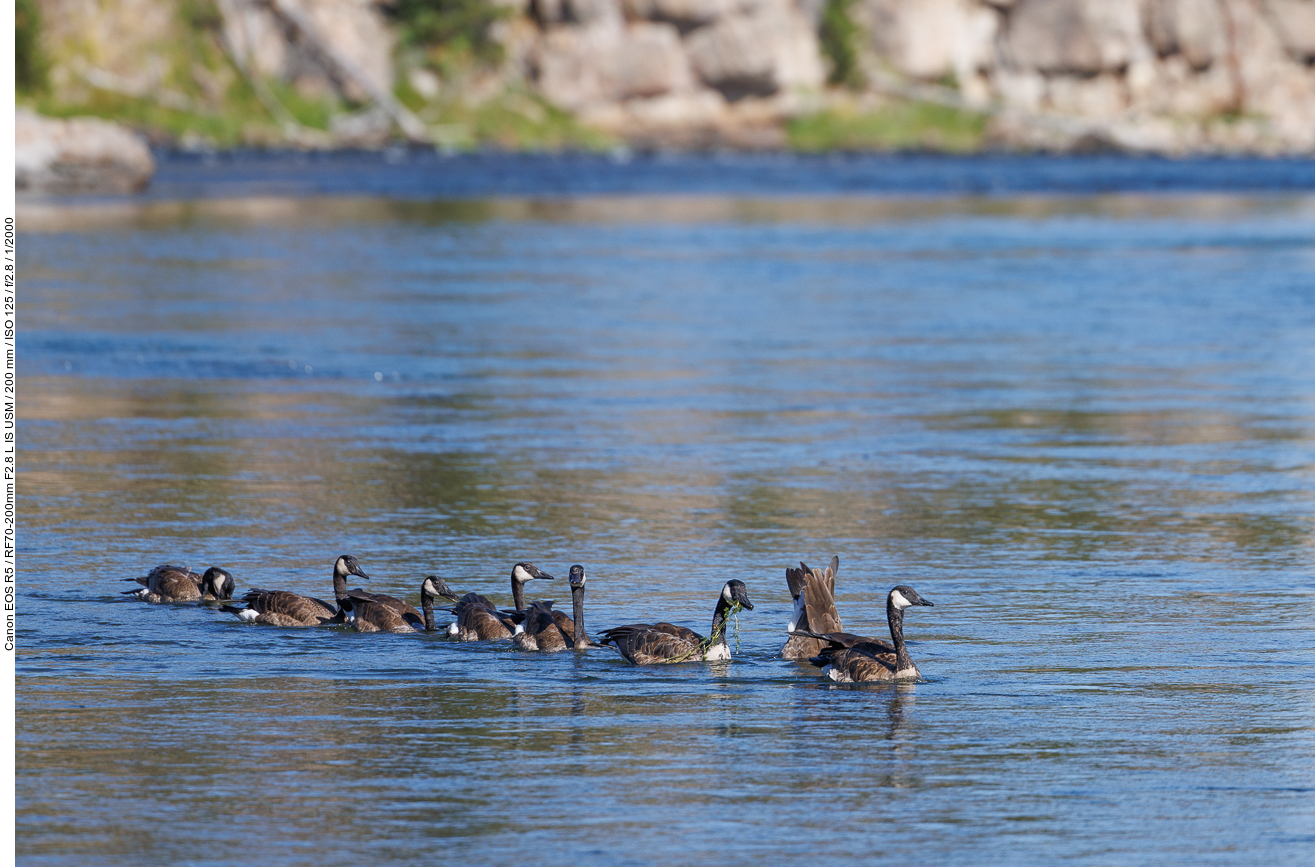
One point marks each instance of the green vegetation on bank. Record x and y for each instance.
(514, 120)
(895, 126)
(446, 29)
(29, 61)
(201, 96)
(838, 37)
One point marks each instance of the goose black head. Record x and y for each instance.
(435, 587)
(902, 596)
(735, 592)
(577, 577)
(523, 572)
(218, 583)
(347, 565)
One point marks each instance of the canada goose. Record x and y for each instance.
(551, 631)
(814, 592)
(282, 608)
(478, 619)
(405, 609)
(866, 661)
(373, 615)
(645, 644)
(178, 584)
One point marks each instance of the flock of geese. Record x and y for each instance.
(815, 630)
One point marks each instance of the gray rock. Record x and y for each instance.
(1075, 37)
(580, 67)
(1296, 26)
(766, 51)
(685, 14)
(367, 129)
(356, 30)
(929, 38)
(1193, 28)
(79, 155)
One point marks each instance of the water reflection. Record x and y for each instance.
(1083, 425)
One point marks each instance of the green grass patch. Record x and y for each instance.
(897, 126)
(230, 128)
(515, 121)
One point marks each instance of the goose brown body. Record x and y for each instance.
(551, 631)
(540, 630)
(846, 660)
(284, 608)
(169, 583)
(390, 614)
(665, 643)
(478, 619)
(814, 593)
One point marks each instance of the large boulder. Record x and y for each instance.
(768, 49)
(685, 14)
(1296, 26)
(929, 39)
(80, 155)
(1193, 28)
(354, 29)
(1075, 37)
(581, 67)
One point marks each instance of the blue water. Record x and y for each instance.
(1081, 422)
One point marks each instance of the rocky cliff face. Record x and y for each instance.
(1160, 75)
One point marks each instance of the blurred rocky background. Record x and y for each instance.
(1162, 76)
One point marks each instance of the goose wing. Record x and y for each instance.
(145, 580)
(815, 607)
(392, 602)
(652, 644)
(565, 624)
(481, 623)
(846, 640)
(282, 608)
(541, 631)
(854, 665)
(374, 616)
(173, 584)
(471, 599)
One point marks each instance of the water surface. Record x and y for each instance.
(1083, 425)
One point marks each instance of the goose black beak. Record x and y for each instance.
(358, 571)
(926, 602)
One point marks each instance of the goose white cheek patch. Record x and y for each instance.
(899, 601)
(726, 593)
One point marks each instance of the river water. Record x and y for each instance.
(1081, 423)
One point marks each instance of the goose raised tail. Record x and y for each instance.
(814, 594)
